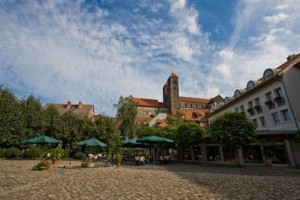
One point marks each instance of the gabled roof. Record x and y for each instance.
(82, 110)
(149, 102)
(193, 99)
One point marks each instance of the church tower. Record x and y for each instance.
(171, 93)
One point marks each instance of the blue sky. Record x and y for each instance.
(95, 51)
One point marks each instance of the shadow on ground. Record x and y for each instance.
(231, 182)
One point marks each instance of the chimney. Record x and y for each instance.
(291, 56)
(79, 105)
(68, 105)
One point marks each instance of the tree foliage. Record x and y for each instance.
(107, 130)
(232, 130)
(126, 113)
(53, 121)
(33, 116)
(26, 118)
(189, 134)
(175, 120)
(10, 118)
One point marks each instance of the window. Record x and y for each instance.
(279, 99)
(257, 106)
(278, 92)
(236, 110)
(269, 96)
(286, 115)
(255, 122)
(275, 117)
(262, 121)
(269, 101)
(250, 109)
(242, 109)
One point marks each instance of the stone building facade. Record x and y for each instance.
(151, 112)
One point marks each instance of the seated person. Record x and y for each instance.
(142, 160)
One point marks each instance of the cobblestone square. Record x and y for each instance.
(174, 181)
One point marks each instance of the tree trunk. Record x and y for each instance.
(192, 154)
(239, 156)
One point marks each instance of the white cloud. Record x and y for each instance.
(95, 56)
(276, 18)
(256, 44)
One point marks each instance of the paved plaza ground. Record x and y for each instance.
(175, 181)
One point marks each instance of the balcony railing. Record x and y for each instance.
(279, 100)
(270, 104)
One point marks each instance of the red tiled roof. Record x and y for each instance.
(189, 114)
(161, 123)
(147, 102)
(150, 103)
(193, 99)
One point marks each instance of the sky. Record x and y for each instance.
(98, 50)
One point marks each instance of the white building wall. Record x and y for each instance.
(266, 112)
(292, 84)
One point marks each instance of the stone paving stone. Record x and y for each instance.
(175, 181)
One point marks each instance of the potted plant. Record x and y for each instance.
(42, 166)
(57, 154)
(268, 155)
(119, 158)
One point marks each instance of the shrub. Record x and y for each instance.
(79, 155)
(12, 152)
(57, 153)
(2, 151)
(66, 154)
(33, 153)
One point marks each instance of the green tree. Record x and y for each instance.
(189, 134)
(33, 116)
(10, 118)
(107, 130)
(175, 120)
(126, 113)
(70, 129)
(168, 131)
(52, 121)
(233, 130)
(147, 131)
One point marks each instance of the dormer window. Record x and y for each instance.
(237, 93)
(269, 73)
(226, 99)
(197, 115)
(250, 85)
